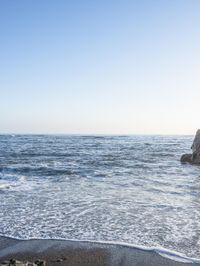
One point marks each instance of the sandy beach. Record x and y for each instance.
(75, 253)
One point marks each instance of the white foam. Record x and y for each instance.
(4, 186)
(23, 178)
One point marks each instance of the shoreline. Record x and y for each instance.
(75, 252)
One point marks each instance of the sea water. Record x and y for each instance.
(129, 189)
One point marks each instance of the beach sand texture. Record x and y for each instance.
(75, 253)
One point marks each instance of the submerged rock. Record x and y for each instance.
(193, 158)
(186, 158)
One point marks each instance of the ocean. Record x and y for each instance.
(128, 189)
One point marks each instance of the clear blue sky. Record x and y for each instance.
(100, 66)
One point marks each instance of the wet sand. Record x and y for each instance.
(75, 253)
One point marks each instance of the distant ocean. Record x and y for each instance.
(130, 189)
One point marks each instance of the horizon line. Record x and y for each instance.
(97, 134)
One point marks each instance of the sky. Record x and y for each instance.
(99, 67)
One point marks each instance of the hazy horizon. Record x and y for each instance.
(103, 67)
(92, 134)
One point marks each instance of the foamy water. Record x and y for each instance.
(130, 189)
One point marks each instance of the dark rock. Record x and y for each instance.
(193, 158)
(186, 158)
(196, 158)
(196, 143)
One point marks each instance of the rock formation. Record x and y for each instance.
(194, 157)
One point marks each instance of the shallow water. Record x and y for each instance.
(130, 189)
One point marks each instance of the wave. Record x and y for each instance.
(36, 170)
(29, 154)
